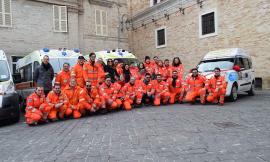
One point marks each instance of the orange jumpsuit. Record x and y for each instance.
(131, 93)
(101, 72)
(167, 72)
(161, 92)
(91, 100)
(161, 71)
(108, 96)
(134, 72)
(194, 88)
(63, 78)
(117, 92)
(53, 99)
(149, 68)
(147, 89)
(176, 90)
(179, 69)
(36, 108)
(91, 73)
(77, 72)
(74, 95)
(216, 86)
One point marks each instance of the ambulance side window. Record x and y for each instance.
(26, 73)
(36, 65)
(250, 63)
(239, 62)
(246, 64)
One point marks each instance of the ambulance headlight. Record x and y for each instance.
(232, 77)
(46, 50)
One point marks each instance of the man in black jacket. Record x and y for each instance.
(44, 75)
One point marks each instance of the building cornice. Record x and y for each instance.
(104, 3)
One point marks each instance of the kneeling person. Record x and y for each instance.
(161, 91)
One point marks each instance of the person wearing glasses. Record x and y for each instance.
(147, 90)
(111, 71)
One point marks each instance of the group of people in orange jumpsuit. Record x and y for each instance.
(88, 88)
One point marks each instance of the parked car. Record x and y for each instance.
(9, 99)
(236, 65)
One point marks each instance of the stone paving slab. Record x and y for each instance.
(238, 131)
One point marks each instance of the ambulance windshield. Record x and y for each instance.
(210, 65)
(4, 72)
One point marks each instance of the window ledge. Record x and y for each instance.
(208, 35)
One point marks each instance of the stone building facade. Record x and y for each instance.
(244, 24)
(35, 24)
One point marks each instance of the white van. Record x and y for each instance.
(28, 64)
(9, 99)
(117, 54)
(236, 65)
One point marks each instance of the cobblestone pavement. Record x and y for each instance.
(238, 131)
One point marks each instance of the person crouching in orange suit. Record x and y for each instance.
(161, 91)
(74, 94)
(36, 107)
(107, 94)
(175, 88)
(216, 87)
(132, 92)
(195, 87)
(91, 100)
(58, 102)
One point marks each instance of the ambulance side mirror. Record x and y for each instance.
(236, 68)
(17, 78)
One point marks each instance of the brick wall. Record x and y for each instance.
(241, 23)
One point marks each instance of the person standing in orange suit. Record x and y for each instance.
(178, 66)
(148, 65)
(36, 108)
(167, 70)
(77, 72)
(58, 103)
(175, 88)
(195, 87)
(91, 70)
(63, 77)
(216, 87)
(160, 70)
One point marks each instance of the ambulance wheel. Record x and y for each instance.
(233, 96)
(251, 92)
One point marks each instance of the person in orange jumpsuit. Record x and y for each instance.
(160, 70)
(216, 87)
(134, 70)
(195, 87)
(167, 69)
(108, 95)
(77, 72)
(148, 65)
(178, 66)
(117, 92)
(161, 91)
(91, 99)
(132, 92)
(91, 70)
(63, 77)
(147, 89)
(36, 107)
(58, 102)
(75, 94)
(101, 74)
(175, 88)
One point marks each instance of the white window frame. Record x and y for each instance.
(101, 23)
(60, 19)
(4, 13)
(152, 2)
(216, 23)
(156, 37)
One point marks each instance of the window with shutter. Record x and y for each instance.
(5, 13)
(60, 18)
(161, 37)
(101, 23)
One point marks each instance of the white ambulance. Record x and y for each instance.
(28, 64)
(121, 55)
(236, 65)
(9, 99)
